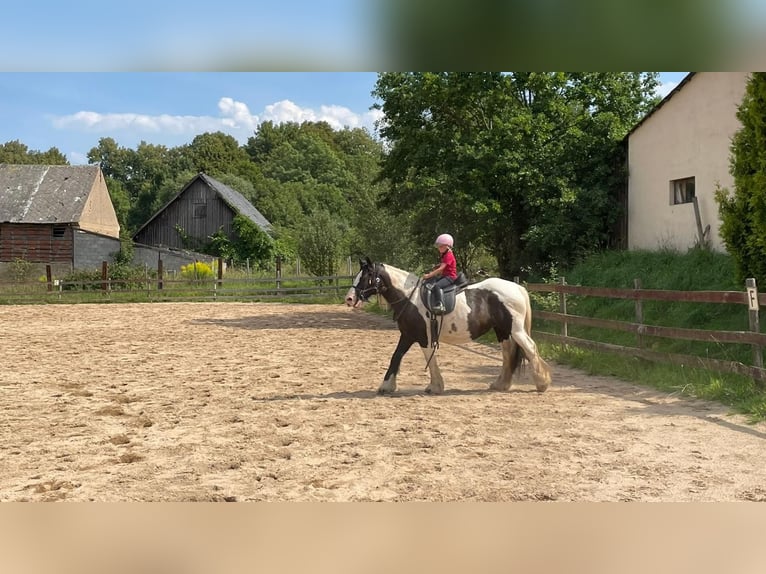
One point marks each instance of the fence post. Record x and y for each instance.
(49, 277)
(563, 308)
(753, 314)
(279, 273)
(159, 274)
(219, 283)
(639, 313)
(104, 276)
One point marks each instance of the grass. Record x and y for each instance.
(697, 270)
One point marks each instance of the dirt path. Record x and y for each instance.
(230, 401)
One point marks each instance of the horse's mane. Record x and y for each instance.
(401, 278)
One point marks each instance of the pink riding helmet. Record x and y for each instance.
(445, 239)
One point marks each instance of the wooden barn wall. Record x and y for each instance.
(36, 243)
(162, 230)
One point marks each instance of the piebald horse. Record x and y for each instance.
(493, 303)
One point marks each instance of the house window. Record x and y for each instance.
(200, 210)
(59, 231)
(681, 191)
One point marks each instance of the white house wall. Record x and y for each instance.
(688, 136)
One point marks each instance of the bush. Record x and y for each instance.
(197, 271)
(21, 269)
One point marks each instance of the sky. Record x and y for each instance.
(73, 110)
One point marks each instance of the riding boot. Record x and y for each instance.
(438, 306)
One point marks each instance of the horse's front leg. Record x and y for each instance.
(389, 381)
(436, 386)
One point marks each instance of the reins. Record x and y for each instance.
(407, 298)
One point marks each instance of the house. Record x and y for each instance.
(200, 209)
(55, 214)
(677, 156)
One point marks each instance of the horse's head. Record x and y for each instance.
(365, 284)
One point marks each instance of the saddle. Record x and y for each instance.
(448, 299)
(449, 294)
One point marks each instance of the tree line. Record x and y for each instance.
(521, 168)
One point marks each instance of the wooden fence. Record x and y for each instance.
(163, 286)
(750, 299)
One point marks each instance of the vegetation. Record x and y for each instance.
(519, 167)
(199, 271)
(697, 270)
(522, 164)
(743, 213)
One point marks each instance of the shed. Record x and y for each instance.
(199, 210)
(43, 207)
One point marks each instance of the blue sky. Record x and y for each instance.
(72, 111)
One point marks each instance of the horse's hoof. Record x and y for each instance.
(429, 391)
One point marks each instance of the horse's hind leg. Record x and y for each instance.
(541, 373)
(503, 381)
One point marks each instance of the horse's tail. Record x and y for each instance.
(518, 355)
(543, 372)
(528, 316)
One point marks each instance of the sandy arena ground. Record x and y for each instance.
(277, 402)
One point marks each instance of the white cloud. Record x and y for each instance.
(235, 119)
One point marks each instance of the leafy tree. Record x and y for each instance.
(215, 153)
(251, 242)
(18, 153)
(120, 202)
(143, 174)
(319, 243)
(520, 163)
(743, 213)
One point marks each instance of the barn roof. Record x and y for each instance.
(235, 200)
(44, 193)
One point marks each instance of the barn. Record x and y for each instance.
(677, 155)
(197, 212)
(55, 214)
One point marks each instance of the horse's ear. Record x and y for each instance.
(369, 261)
(362, 263)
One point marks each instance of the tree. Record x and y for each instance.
(319, 243)
(18, 153)
(146, 175)
(215, 153)
(519, 163)
(743, 213)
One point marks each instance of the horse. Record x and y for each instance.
(493, 303)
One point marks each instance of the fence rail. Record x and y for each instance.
(749, 297)
(164, 288)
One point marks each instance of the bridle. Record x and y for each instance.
(376, 285)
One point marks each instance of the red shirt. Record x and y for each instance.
(450, 269)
